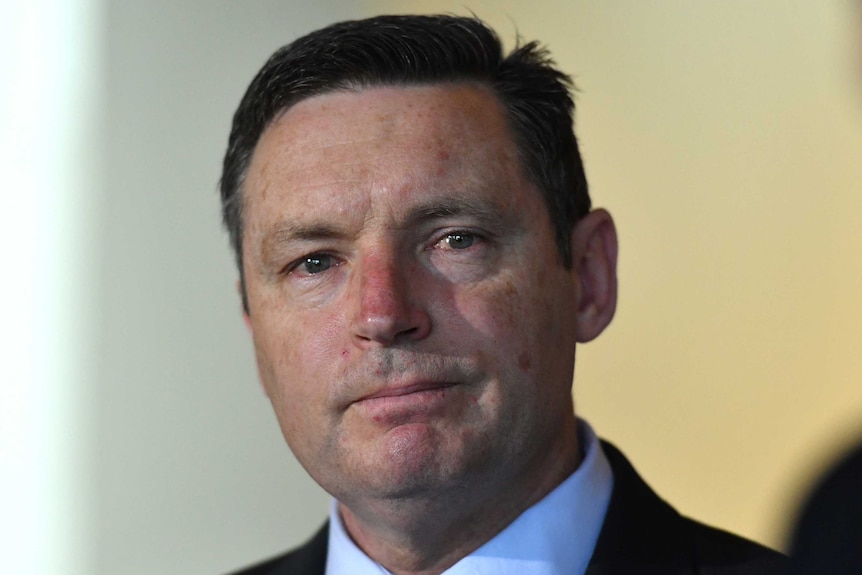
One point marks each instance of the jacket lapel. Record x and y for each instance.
(310, 559)
(641, 535)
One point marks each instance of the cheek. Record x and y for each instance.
(497, 312)
(293, 368)
(522, 323)
(294, 362)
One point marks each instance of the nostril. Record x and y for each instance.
(404, 322)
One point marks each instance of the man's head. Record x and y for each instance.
(419, 50)
(413, 306)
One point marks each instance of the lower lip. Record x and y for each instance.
(409, 407)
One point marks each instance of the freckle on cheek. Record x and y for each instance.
(481, 358)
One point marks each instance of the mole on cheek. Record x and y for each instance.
(507, 304)
(524, 361)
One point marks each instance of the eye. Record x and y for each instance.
(313, 264)
(459, 241)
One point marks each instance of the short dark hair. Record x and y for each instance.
(416, 50)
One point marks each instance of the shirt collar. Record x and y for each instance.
(555, 536)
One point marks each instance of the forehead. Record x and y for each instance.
(352, 151)
(416, 118)
(448, 109)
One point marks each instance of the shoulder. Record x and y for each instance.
(309, 559)
(717, 552)
(641, 529)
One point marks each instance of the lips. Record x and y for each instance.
(406, 389)
(413, 402)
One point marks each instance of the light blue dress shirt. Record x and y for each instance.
(556, 536)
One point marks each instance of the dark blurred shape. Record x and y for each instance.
(828, 535)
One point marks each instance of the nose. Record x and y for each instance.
(387, 303)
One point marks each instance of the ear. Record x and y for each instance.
(594, 260)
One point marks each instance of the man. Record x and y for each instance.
(418, 260)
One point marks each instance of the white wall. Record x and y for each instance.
(48, 159)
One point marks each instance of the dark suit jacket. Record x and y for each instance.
(641, 535)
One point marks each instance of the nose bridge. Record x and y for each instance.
(385, 302)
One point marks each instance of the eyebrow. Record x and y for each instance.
(288, 231)
(455, 205)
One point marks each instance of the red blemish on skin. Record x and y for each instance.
(474, 399)
(345, 353)
(524, 361)
(443, 156)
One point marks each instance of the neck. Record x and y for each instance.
(426, 535)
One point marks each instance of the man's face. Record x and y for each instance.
(413, 325)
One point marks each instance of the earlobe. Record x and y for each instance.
(594, 259)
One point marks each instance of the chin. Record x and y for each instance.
(417, 462)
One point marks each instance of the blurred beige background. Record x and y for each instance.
(724, 136)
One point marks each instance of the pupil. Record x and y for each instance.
(316, 264)
(460, 241)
